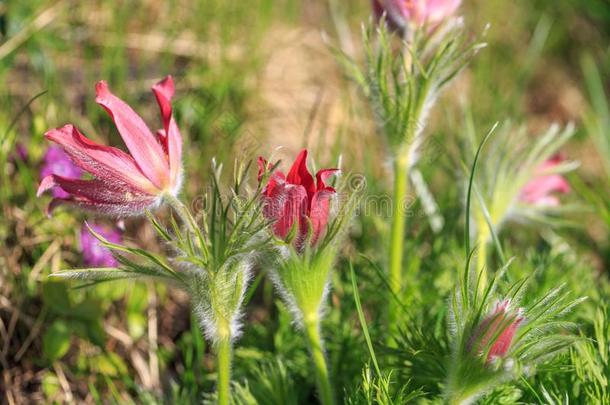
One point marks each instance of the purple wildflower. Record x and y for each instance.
(56, 161)
(94, 254)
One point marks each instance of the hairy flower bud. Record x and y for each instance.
(493, 337)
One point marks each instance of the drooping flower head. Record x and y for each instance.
(402, 13)
(123, 183)
(542, 189)
(297, 199)
(494, 335)
(94, 254)
(56, 161)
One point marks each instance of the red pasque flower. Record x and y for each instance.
(540, 190)
(122, 183)
(297, 198)
(495, 333)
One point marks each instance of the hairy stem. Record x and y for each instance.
(397, 236)
(180, 209)
(402, 165)
(312, 331)
(223, 353)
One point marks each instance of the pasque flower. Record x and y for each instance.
(297, 199)
(123, 183)
(540, 190)
(401, 13)
(494, 335)
(57, 162)
(94, 253)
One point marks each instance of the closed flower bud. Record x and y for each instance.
(298, 204)
(493, 337)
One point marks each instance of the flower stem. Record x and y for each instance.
(397, 236)
(312, 331)
(223, 353)
(400, 211)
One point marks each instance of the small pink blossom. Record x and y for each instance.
(401, 13)
(495, 333)
(298, 197)
(94, 253)
(540, 190)
(123, 183)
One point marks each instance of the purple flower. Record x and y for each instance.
(94, 254)
(56, 161)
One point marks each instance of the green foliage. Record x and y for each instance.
(51, 335)
(56, 341)
(401, 83)
(512, 158)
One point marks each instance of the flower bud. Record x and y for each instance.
(494, 335)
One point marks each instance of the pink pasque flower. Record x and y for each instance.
(56, 161)
(401, 13)
(94, 253)
(539, 191)
(495, 333)
(297, 197)
(123, 183)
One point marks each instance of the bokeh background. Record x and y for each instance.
(252, 76)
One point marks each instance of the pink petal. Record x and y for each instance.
(285, 205)
(299, 174)
(322, 176)
(277, 177)
(117, 198)
(505, 339)
(164, 91)
(263, 166)
(103, 162)
(95, 189)
(320, 209)
(495, 333)
(118, 210)
(141, 143)
(540, 189)
(438, 10)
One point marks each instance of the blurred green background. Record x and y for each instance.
(252, 76)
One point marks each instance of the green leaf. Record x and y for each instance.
(56, 341)
(55, 296)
